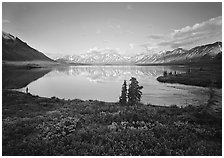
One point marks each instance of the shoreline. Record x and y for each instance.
(194, 78)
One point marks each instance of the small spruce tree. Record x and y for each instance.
(134, 92)
(123, 97)
(164, 73)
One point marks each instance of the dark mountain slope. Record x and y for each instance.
(14, 49)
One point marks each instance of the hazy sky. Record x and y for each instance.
(76, 28)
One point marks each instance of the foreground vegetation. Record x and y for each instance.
(33, 125)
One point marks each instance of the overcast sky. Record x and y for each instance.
(77, 28)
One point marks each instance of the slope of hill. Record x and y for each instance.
(14, 49)
(209, 53)
(205, 53)
(170, 56)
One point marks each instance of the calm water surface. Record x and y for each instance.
(104, 83)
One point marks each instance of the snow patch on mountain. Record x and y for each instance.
(7, 36)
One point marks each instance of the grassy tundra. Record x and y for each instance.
(206, 77)
(35, 125)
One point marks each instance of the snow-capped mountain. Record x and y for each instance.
(168, 56)
(138, 57)
(204, 53)
(199, 54)
(104, 56)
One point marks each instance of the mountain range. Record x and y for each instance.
(201, 54)
(14, 49)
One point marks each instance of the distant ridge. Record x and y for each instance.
(210, 53)
(14, 49)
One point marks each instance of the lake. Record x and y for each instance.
(104, 83)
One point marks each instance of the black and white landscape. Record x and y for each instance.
(112, 79)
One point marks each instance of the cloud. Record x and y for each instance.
(148, 46)
(190, 34)
(105, 41)
(113, 25)
(5, 21)
(149, 26)
(100, 50)
(175, 43)
(155, 37)
(92, 49)
(129, 32)
(129, 7)
(118, 26)
(99, 31)
(131, 45)
(211, 26)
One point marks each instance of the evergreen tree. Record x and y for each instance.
(123, 97)
(134, 92)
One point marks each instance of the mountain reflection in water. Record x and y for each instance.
(111, 73)
(104, 83)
